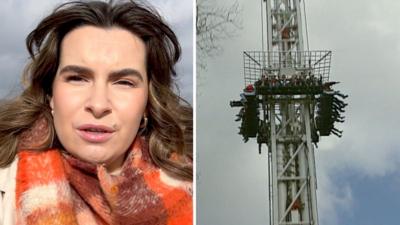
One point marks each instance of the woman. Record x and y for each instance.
(98, 136)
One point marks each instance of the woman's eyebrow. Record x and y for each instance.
(76, 69)
(113, 75)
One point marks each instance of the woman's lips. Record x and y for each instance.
(95, 133)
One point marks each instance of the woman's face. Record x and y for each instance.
(100, 93)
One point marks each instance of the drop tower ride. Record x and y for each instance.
(287, 104)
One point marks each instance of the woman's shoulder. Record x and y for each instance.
(153, 173)
(7, 175)
(7, 193)
(175, 182)
(177, 196)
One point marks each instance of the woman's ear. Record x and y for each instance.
(51, 102)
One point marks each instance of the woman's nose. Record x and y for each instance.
(98, 103)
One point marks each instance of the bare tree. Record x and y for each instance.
(214, 24)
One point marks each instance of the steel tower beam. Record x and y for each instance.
(293, 194)
(298, 106)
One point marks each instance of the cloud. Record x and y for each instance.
(175, 11)
(333, 199)
(365, 55)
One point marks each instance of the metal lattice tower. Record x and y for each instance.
(287, 104)
(292, 176)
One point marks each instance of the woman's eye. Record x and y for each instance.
(126, 83)
(75, 78)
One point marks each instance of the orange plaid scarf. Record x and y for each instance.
(57, 189)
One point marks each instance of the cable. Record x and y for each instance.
(310, 215)
(305, 21)
(262, 35)
(270, 190)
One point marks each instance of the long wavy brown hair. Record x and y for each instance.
(169, 131)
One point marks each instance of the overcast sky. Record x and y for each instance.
(358, 174)
(19, 17)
